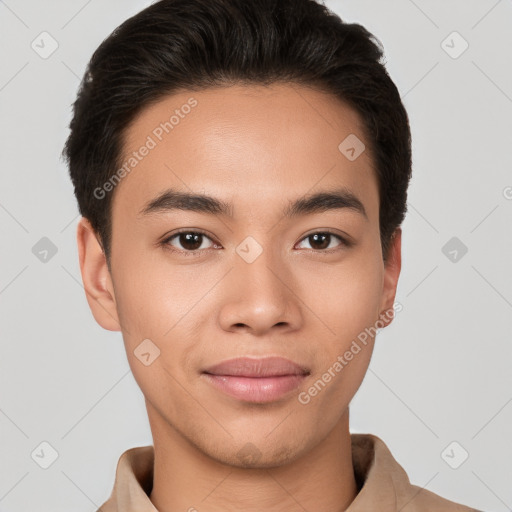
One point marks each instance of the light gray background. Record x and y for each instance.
(439, 373)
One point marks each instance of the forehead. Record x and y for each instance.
(245, 143)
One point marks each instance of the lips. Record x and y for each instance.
(257, 368)
(261, 380)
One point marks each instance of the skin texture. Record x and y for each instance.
(258, 148)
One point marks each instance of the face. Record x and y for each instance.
(245, 274)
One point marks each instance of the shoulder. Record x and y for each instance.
(385, 482)
(417, 499)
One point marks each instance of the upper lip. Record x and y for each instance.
(257, 367)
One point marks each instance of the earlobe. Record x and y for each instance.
(96, 277)
(392, 268)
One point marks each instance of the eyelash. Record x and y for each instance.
(197, 252)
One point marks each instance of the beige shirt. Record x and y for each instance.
(383, 483)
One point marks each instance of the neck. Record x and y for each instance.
(187, 479)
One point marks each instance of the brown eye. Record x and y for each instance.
(321, 240)
(190, 241)
(187, 241)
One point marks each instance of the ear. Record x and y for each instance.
(96, 277)
(392, 267)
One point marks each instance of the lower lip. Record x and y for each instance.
(256, 389)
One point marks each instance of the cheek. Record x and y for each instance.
(150, 299)
(330, 392)
(155, 303)
(350, 309)
(347, 298)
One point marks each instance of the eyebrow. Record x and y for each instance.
(172, 199)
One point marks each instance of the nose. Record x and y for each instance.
(260, 296)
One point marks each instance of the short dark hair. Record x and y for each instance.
(175, 45)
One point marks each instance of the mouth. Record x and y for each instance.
(260, 380)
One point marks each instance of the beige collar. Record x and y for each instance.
(383, 483)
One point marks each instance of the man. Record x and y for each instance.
(241, 169)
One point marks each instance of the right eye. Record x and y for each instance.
(190, 241)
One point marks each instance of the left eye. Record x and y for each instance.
(323, 238)
(192, 241)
